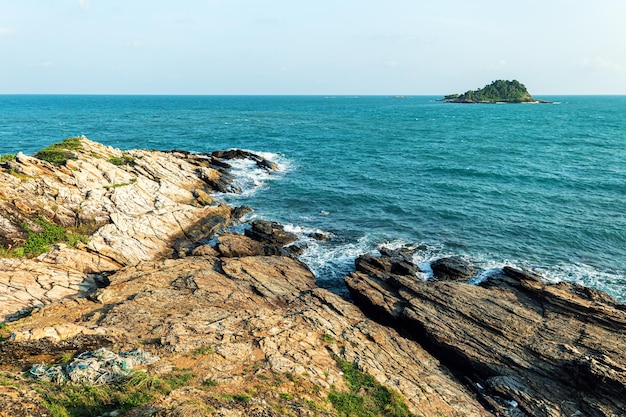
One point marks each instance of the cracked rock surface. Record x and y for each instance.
(549, 349)
(140, 210)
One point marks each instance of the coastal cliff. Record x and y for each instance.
(144, 259)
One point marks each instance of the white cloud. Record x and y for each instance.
(45, 64)
(5, 30)
(84, 5)
(392, 64)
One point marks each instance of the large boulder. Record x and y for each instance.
(452, 268)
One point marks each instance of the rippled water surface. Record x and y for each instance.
(539, 186)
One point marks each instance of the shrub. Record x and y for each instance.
(124, 160)
(59, 153)
(7, 157)
(39, 242)
(242, 398)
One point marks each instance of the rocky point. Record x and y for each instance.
(238, 322)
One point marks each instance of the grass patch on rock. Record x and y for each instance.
(39, 241)
(123, 160)
(58, 153)
(74, 400)
(7, 157)
(366, 397)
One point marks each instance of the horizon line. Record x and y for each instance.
(279, 95)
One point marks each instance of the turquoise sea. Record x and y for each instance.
(541, 186)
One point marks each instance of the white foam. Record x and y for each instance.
(611, 282)
(250, 178)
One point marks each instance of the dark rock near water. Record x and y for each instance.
(525, 347)
(270, 232)
(241, 154)
(240, 211)
(453, 268)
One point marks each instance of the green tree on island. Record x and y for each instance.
(496, 92)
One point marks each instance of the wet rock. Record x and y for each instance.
(453, 268)
(270, 232)
(241, 154)
(514, 339)
(240, 211)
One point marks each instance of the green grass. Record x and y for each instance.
(70, 400)
(123, 160)
(7, 157)
(39, 242)
(58, 153)
(123, 184)
(205, 350)
(366, 397)
(326, 338)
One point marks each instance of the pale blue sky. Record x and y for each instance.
(310, 47)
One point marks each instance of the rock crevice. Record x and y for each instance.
(511, 338)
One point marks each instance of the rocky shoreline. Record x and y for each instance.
(243, 320)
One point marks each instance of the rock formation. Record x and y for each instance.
(546, 349)
(143, 205)
(238, 321)
(242, 314)
(499, 91)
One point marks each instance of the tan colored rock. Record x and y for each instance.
(231, 245)
(141, 210)
(260, 312)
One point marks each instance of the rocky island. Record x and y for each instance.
(499, 91)
(125, 291)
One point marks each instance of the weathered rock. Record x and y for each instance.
(259, 316)
(452, 268)
(232, 245)
(142, 205)
(514, 339)
(270, 232)
(20, 402)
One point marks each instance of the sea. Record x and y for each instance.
(536, 186)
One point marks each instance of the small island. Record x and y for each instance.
(499, 91)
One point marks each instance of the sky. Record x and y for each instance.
(352, 47)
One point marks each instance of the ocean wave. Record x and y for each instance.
(249, 177)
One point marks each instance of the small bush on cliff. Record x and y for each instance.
(123, 160)
(59, 153)
(39, 242)
(7, 157)
(366, 398)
